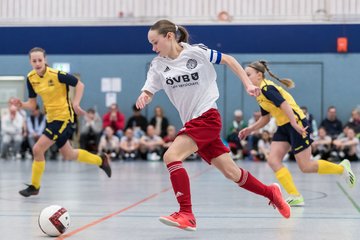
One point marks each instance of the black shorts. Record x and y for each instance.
(286, 133)
(59, 131)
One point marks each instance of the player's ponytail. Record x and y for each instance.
(165, 26)
(182, 34)
(285, 81)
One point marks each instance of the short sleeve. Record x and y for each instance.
(67, 79)
(263, 112)
(153, 80)
(212, 55)
(271, 93)
(32, 93)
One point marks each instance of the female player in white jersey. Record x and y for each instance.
(186, 74)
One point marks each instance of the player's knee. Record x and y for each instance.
(305, 168)
(37, 150)
(168, 157)
(273, 163)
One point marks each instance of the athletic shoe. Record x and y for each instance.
(105, 165)
(278, 201)
(181, 220)
(30, 190)
(295, 201)
(348, 173)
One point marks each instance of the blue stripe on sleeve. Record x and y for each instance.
(218, 59)
(211, 55)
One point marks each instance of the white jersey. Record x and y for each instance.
(189, 80)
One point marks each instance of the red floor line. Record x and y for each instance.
(80, 229)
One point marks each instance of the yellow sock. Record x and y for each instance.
(38, 168)
(326, 167)
(286, 180)
(89, 158)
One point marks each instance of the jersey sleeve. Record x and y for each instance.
(67, 79)
(263, 112)
(32, 93)
(153, 80)
(271, 93)
(212, 55)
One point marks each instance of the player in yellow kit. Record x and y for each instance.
(291, 133)
(53, 87)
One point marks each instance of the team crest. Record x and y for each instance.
(51, 83)
(191, 64)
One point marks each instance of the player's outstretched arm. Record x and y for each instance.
(235, 66)
(144, 99)
(260, 123)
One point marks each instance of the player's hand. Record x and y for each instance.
(244, 133)
(301, 130)
(143, 100)
(253, 90)
(78, 110)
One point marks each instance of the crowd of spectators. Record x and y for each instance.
(138, 138)
(333, 140)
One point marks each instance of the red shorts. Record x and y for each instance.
(205, 131)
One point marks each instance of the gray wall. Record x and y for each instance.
(321, 80)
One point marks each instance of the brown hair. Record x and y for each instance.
(261, 66)
(37, 49)
(164, 26)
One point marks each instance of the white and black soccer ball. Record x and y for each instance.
(54, 220)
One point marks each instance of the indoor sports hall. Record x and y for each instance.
(105, 45)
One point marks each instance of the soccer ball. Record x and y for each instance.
(54, 220)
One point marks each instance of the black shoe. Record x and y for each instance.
(30, 190)
(105, 165)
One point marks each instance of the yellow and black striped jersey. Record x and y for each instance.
(53, 89)
(270, 99)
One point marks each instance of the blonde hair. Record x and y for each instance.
(261, 66)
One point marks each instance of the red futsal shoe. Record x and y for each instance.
(279, 202)
(181, 220)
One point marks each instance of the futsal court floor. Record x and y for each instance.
(128, 205)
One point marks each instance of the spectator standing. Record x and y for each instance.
(160, 122)
(137, 122)
(114, 119)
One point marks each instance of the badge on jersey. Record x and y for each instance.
(191, 64)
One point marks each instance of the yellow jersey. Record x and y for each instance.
(53, 89)
(270, 99)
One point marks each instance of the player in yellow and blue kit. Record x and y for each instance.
(53, 87)
(291, 133)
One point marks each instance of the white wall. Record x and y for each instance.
(118, 12)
